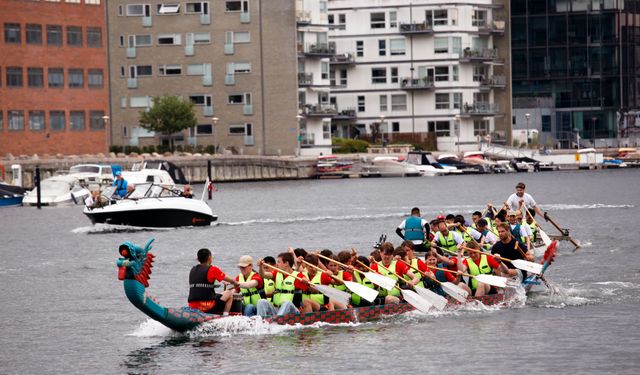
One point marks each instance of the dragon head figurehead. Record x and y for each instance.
(135, 261)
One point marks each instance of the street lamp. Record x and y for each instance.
(107, 133)
(527, 116)
(299, 119)
(457, 129)
(382, 140)
(213, 131)
(593, 130)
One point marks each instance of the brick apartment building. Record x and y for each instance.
(53, 77)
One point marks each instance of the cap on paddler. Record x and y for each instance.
(512, 213)
(245, 260)
(440, 217)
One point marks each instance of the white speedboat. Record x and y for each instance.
(150, 206)
(386, 166)
(426, 163)
(57, 191)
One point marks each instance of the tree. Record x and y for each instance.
(169, 114)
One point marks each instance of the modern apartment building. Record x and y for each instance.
(576, 70)
(234, 59)
(418, 66)
(53, 95)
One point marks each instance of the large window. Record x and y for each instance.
(34, 34)
(35, 77)
(76, 78)
(56, 77)
(198, 7)
(442, 101)
(546, 123)
(54, 35)
(14, 76)
(15, 120)
(480, 127)
(239, 98)
(74, 36)
(76, 120)
(397, 47)
(378, 20)
(378, 75)
(399, 102)
(94, 37)
(170, 70)
(359, 48)
(441, 128)
(140, 40)
(95, 78)
(440, 17)
(96, 120)
(361, 104)
(237, 6)
(169, 39)
(12, 33)
(383, 103)
(36, 120)
(441, 73)
(382, 47)
(232, 37)
(57, 120)
(441, 44)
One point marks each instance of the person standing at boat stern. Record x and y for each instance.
(416, 230)
(519, 198)
(250, 284)
(121, 185)
(202, 294)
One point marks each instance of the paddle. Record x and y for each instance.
(433, 298)
(412, 298)
(381, 281)
(359, 289)
(332, 293)
(494, 280)
(564, 232)
(451, 289)
(517, 263)
(543, 235)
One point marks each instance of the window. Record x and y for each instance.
(95, 78)
(393, 19)
(74, 36)
(394, 74)
(442, 100)
(163, 9)
(56, 77)
(441, 128)
(342, 19)
(204, 129)
(232, 37)
(241, 68)
(94, 37)
(96, 120)
(35, 77)
(36, 120)
(92, 2)
(136, 71)
(399, 102)
(546, 123)
(480, 127)
(198, 69)
(456, 44)
(441, 73)
(330, 19)
(457, 100)
(236, 6)
(169, 39)
(170, 70)
(359, 48)
(479, 73)
(72, 1)
(479, 18)
(378, 20)
(198, 7)
(140, 40)
(138, 10)
(12, 33)
(57, 120)
(378, 75)
(395, 127)
(441, 44)
(34, 34)
(455, 73)
(397, 47)
(76, 120)
(324, 70)
(201, 38)
(14, 76)
(236, 129)
(326, 129)
(382, 47)
(76, 78)
(383, 103)
(15, 120)
(361, 102)
(440, 17)
(54, 35)
(140, 102)
(240, 98)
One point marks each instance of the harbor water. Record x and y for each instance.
(63, 309)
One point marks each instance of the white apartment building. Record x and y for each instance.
(417, 66)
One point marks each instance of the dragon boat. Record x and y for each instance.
(134, 269)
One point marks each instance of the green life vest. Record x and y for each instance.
(341, 287)
(534, 230)
(356, 299)
(414, 268)
(474, 269)
(285, 289)
(384, 271)
(253, 295)
(466, 237)
(449, 242)
(317, 297)
(269, 288)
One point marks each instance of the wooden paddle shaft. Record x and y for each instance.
(482, 252)
(321, 270)
(338, 263)
(562, 231)
(371, 270)
(422, 273)
(285, 272)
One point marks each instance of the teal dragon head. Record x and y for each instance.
(133, 256)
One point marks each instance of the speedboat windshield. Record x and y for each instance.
(54, 187)
(140, 191)
(85, 169)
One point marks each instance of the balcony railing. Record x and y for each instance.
(479, 55)
(416, 83)
(416, 28)
(320, 110)
(497, 81)
(495, 27)
(346, 114)
(303, 17)
(319, 49)
(305, 79)
(482, 109)
(343, 59)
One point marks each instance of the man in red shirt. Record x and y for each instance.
(202, 294)
(388, 266)
(480, 264)
(313, 300)
(288, 291)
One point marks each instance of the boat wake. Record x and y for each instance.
(108, 228)
(557, 296)
(313, 219)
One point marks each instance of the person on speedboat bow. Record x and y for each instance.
(288, 293)
(202, 294)
(121, 185)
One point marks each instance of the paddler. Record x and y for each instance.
(359, 278)
(432, 259)
(269, 284)
(288, 293)
(520, 197)
(531, 222)
(312, 300)
(512, 249)
(480, 264)
(202, 294)
(446, 239)
(518, 231)
(416, 230)
(388, 266)
(250, 284)
(488, 237)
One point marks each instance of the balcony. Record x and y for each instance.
(303, 17)
(319, 110)
(305, 79)
(346, 114)
(479, 56)
(491, 28)
(479, 109)
(318, 49)
(343, 59)
(408, 83)
(493, 82)
(415, 28)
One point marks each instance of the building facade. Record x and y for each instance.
(53, 91)
(234, 59)
(576, 70)
(412, 66)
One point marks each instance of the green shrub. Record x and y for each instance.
(348, 146)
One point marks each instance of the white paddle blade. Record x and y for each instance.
(539, 251)
(435, 299)
(455, 291)
(497, 281)
(415, 300)
(381, 281)
(527, 266)
(545, 237)
(334, 294)
(361, 290)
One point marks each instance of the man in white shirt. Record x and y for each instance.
(519, 198)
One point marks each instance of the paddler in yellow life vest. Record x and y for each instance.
(468, 234)
(288, 292)
(359, 278)
(446, 239)
(388, 265)
(476, 264)
(416, 230)
(312, 300)
(408, 254)
(488, 237)
(477, 215)
(532, 226)
(518, 230)
(250, 284)
(269, 284)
